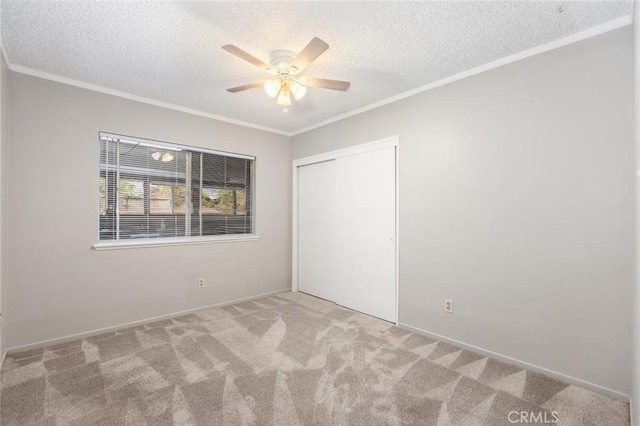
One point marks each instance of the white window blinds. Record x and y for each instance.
(152, 189)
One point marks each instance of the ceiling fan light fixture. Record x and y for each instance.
(298, 90)
(286, 84)
(272, 87)
(284, 95)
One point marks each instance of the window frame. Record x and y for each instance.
(173, 187)
(128, 243)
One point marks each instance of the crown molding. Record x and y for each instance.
(101, 89)
(591, 32)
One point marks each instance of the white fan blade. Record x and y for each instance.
(244, 55)
(315, 48)
(326, 83)
(246, 87)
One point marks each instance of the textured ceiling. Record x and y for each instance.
(171, 51)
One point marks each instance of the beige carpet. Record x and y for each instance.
(286, 360)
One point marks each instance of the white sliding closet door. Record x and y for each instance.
(346, 231)
(316, 217)
(366, 226)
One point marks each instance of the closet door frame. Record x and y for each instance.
(393, 141)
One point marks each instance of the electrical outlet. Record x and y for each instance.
(200, 282)
(448, 305)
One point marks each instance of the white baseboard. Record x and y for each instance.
(83, 335)
(568, 379)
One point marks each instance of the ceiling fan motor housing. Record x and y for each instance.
(281, 61)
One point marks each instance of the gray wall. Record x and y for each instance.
(4, 130)
(635, 401)
(516, 201)
(58, 285)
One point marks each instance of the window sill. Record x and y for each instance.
(167, 242)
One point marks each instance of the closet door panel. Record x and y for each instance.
(317, 230)
(365, 201)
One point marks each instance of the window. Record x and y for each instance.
(167, 199)
(152, 189)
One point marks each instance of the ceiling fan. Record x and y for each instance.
(286, 84)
